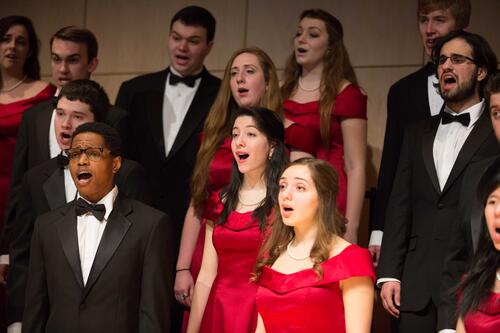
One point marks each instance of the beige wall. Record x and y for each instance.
(381, 36)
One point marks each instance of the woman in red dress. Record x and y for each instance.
(311, 279)
(479, 307)
(20, 88)
(250, 79)
(325, 110)
(224, 297)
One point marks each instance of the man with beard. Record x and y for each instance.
(424, 201)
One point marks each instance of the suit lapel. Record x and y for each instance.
(422, 95)
(116, 228)
(427, 151)
(68, 236)
(54, 189)
(477, 136)
(194, 116)
(155, 117)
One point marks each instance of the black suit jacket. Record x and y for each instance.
(129, 288)
(32, 148)
(43, 190)
(169, 175)
(420, 216)
(407, 104)
(463, 243)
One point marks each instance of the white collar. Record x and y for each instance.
(108, 200)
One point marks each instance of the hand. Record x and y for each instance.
(3, 274)
(184, 287)
(390, 294)
(375, 253)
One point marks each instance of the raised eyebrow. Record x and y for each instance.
(302, 179)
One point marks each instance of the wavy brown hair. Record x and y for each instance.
(330, 222)
(336, 68)
(217, 125)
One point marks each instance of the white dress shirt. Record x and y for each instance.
(449, 140)
(176, 101)
(90, 231)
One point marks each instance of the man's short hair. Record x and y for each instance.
(459, 9)
(90, 93)
(493, 86)
(78, 35)
(110, 135)
(196, 16)
(482, 53)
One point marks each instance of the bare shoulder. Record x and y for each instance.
(338, 244)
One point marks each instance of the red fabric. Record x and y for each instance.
(487, 318)
(350, 103)
(231, 304)
(220, 173)
(10, 118)
(300, 303)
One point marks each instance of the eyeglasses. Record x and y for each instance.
(456, 59)
(92, 153)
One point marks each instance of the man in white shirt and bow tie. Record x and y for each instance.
(424, 201)
(103, 262)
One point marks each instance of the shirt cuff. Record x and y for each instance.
(382, 280)
(376, 238)
(15, 327)
(4, 259)
(448, 330)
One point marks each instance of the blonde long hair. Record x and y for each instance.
(330, 221)
(336, 68)
(217, 126)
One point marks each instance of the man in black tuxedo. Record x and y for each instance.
(167, 110)
(412, 99)
(465, 234)
(103, 262)
(424, 201)
(49, 186)
(73, 57)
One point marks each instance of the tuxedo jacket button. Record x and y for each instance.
(440, 206)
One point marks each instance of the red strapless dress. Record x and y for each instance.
(486, 319)
(300, 303)
(304, 134)
(231, 305)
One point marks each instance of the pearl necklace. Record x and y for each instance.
(307, 89)
(289, 253)
(15, 85)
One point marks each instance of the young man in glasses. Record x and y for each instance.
(412, 99)
(423, 205)
(103, 262)
(49, 185)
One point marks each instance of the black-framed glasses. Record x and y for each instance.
(456, 59)
(92, 153)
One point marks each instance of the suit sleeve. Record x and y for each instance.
(157, 280)
(123, 97)
(398, 222)
(394, 133)
(19, 167)
(19, 254)
(37, 304)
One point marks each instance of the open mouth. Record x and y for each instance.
(497, 230)
(11, 56)
(286, 211)
(84, 177)
(242, 90)
(301, 50)
(242, 157)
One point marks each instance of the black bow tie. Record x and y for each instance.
(83, 207)
(463, 119)
(189, 80)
